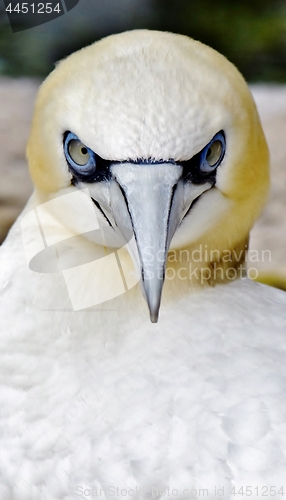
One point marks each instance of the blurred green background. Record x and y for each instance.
(251, 33)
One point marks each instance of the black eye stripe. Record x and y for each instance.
(196, 170)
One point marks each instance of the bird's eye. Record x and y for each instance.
(78, 152)
(213, 153)
(81, 159)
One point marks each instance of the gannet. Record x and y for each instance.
(150, 167)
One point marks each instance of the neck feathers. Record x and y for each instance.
(202, 266)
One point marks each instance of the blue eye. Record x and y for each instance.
(212, 155)
(81, 159)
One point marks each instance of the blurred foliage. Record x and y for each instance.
(251, 33)
(34, 51)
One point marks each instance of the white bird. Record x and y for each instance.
(145, 144)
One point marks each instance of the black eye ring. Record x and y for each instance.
(79, 169)
(212, 155)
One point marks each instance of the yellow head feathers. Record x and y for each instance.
(152, 96)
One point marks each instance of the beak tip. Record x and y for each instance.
(152, 292)
(154, 317)
(154, 311)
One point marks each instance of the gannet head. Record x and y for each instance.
(165, 134)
